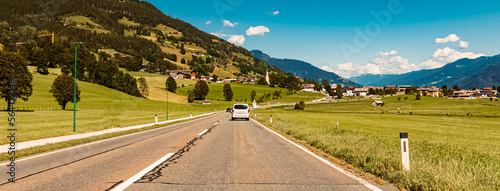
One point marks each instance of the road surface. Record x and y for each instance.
(231, 155)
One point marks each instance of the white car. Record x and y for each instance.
(240, 111)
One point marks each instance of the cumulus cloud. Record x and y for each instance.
(237, 39)
(449, 38)
(208, 22)
(276, 12)
(464, 44)
(447, 55)
(350, 69)
(391, 63)
(384, 63)
(228, 23)
(219, 34)
(258, 30)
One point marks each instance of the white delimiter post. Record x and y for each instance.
(271, 119)
(156, 119)
(405, 152)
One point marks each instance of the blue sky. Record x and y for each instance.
(345, 37)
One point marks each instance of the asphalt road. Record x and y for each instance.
(233, 155)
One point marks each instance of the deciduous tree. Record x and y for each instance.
(14, 66)
(63, 90)
(171, 84)
(200, 90)
(228, 92)
(143, 87)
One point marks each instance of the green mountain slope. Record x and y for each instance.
(131, 27)
(303, 69)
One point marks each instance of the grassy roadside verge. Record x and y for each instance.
(60, 145)
(447, 152)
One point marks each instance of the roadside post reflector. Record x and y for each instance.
(156, 119)
(405, 152)
(271, 119)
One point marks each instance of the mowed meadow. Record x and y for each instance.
(454, 144)
(100, 108)
(103, 108)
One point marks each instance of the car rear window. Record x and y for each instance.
(240, 107)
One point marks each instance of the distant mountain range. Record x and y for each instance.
(303, 69)
(466, 73)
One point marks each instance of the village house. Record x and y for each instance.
(229, 80)
(308, 87)
(179, 74)
(402, 88)
(377, 103)
(361, 91)
(465, 94)
(349, 92)
(488, 93)
(432, 91)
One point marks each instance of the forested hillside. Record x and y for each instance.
(128, 33)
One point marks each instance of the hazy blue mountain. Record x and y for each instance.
(466, 73)
(303, 69)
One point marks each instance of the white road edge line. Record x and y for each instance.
(203, 132)
(136, 177)
(95, 142)
(360, 180)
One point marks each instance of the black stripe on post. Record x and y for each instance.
(403, 135)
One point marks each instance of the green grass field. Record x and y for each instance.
(85, 20)
(126, 22)
(100, 108)
(447, 152)
(243, 91)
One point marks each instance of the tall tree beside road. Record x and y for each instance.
(63, 90)
(143, 87)
(252, 95)
(171, 84)
(339, 91)
(200, 90)
(190, 96)
(15, 66)
(228, 92)
(327, 86)
(292, 83)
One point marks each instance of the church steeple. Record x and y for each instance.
(267, 77)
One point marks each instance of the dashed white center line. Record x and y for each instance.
(203, 132)
(136, 177)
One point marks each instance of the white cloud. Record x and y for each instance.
(258, 30)
(208, 22)
(464, 44)
(449, 38)
(219, 34)
(350, 69)
(228, 23)
(384, 63)
(445, 56)
(276, 12)
(392, 63)
(237, 39)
